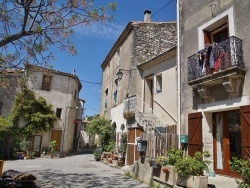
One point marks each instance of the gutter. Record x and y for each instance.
(178, 75)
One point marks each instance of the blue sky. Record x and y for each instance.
(95, 41)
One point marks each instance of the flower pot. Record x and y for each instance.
(164, 169)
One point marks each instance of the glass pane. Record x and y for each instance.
(234, 134)
(219, 142)
(37, 141)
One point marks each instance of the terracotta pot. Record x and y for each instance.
(164, 169)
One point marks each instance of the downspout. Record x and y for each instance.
(178, 76)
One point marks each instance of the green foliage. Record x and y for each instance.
(173, 156)
(97, 154)
(6, 128)
(242, 167)
(193, 165)
(110, 147)
(25, 145)
(127, 174)
(52, 146)
(36, 113)
(104, 130)
(123, 145)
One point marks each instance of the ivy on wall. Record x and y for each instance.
(36, 114)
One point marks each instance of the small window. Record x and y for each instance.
(46, 82)
(75, 95)
(58, 113)
(159, 83)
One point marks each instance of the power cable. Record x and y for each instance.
(90, 82)
(160, 9)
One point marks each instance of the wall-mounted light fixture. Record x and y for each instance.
(119, 74)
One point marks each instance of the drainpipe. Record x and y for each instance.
(178, 76)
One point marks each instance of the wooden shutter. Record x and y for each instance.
(46, 82)
(130, 147)
(245, 130)
(194, 133)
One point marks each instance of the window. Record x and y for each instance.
(217, 29)
(58, 113)
(46, 82)
(159, 83)
(106, 100)
(75, 95)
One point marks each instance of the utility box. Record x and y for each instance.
(183, 139)
(141, 145)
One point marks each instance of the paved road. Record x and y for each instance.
(73, 172)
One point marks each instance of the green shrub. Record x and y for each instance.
(193, 165)
(242, 167)
(97, 154)
(174, 155)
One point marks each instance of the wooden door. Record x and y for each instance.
(227, 140)
(132, 154)
(56, 135)
(194, 133)
(245, 130)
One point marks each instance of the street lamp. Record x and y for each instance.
(119, 74)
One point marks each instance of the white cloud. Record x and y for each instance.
(108, 31)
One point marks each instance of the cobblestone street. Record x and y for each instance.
(74, 171)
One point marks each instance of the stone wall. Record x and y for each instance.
(152, 39)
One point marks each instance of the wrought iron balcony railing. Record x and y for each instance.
(215, 58)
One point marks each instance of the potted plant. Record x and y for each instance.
(52, 146)
(97, 154)
(190, 170)
(25, 147)
(241, 166)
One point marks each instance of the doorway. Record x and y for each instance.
(227, 140)
(148, 93)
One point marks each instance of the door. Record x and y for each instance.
(56, 135)
(132, 154)
(227, 140)
(245, 130)
(148, 93)
(36, 145)
(194, 133)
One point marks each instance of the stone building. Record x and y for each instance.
(62, 91)
(136, 69)
(214, 58)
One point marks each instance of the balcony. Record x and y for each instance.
(130, 104)
(223, 64)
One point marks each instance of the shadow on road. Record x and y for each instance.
(52, 178)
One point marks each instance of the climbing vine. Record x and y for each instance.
(34, 112)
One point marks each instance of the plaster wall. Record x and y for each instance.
(165, 101)
(63, 88)
(195, 14)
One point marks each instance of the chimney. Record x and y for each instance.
(147, 15)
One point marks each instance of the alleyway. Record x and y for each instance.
(75, 171)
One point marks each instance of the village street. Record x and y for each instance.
(74, 171)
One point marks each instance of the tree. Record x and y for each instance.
(101, 127)
(36, 114)
(6, 133)
(29, 27)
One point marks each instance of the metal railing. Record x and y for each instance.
(222, 56)
(144, 115)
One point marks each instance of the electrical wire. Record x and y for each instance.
(90, 82)
(160, 9)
